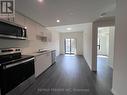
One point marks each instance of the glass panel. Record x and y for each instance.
(73, 46)
(68, 45)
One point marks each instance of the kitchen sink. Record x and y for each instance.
(42, 51)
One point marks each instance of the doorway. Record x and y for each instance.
(105, 54)
(70, 46)
(103, 41)
(105, 44)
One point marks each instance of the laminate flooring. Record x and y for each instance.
(70, 75)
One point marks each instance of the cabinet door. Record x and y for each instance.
(42, 62)
(39, 66)
(48, 59)
(48, 35)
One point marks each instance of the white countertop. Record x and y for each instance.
(41, 53)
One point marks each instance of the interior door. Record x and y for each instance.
(70, 46)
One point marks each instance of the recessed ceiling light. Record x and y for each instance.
(69, 29)
(58, 20)
(25, 27)
(40, 0)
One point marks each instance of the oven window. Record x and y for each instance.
(13, 76)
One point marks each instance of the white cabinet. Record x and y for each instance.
(48, 36)
(45, 36)
(42, 62)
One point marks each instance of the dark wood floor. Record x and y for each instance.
(71, 76)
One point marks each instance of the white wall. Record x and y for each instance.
(79, 40)
(120, 57)
(32, 44)
(87, 44)
(111, 46)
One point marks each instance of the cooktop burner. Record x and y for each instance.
(8, 56)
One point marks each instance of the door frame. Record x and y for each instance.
(102, 22)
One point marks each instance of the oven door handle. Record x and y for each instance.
(18, 63)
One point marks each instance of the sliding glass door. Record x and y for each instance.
(70, 46)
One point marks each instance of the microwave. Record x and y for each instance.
(13, 31)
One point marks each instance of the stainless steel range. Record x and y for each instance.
(16, 71)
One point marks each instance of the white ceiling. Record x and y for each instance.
(75, 28)
(68, 11)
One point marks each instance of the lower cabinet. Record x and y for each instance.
(42, 62)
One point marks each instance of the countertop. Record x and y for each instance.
(41, 53)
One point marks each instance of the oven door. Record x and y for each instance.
(16, 73)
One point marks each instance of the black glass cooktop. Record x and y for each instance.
(8, 59)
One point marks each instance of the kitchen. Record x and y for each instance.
(48, 47)
(32, 44)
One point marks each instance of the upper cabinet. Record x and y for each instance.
(44, 34)
(47, 36)
(35, 31)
